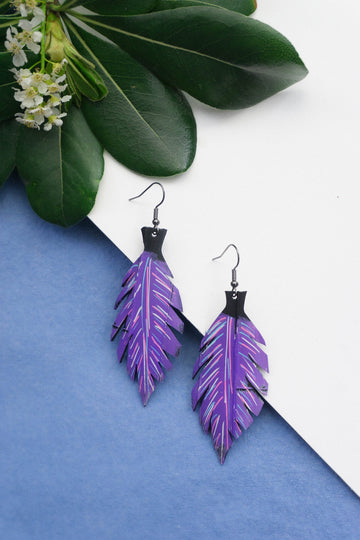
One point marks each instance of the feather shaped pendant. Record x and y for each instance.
(230, 385)
(149, 304)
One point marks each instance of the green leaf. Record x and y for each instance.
(8, 105)
(220, 57)
(114, 7)
(246, 7)
(122, 7)
(144, 124)
(5, 65)
(61, 169)
(8, 141)
(86, 81)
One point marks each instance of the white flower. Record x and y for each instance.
(61, 79)
(10, 31)
(29, 37)
(41, 112)
(55, 87)
(36, 36)
(16, 49)
(23, 10)
(54, 120)
(32, 46)
(25, 25)
(55, 100)
(41, 82)
(31, 40)
(23, 77)
(27, 119)
(28, 98)
(38, 17)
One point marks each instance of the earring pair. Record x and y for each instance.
(230, 385)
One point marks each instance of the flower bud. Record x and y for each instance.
(55, 38)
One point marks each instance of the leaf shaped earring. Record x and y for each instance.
(230, 385)
(149, 304)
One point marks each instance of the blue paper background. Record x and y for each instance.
(82, 459)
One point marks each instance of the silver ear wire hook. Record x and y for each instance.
(155, 220)
(234, 283)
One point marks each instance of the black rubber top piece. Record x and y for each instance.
(235, 304)
(154, 243)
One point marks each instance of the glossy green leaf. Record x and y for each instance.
(225, 59)
(5, 65)
(86, 81)
(8, 141)
(121, 7)
(144, 124)
(114, 7)
(8, 105)
(246, 7)
(61, 169)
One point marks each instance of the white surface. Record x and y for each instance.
(281, 180)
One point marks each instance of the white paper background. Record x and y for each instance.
(281, 180)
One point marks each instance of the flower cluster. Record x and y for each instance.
(28, 36)
(41, 90)
(41, 97)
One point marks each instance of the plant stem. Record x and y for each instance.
(4, 3)
(43, 31)
(36, 63)
(9, 23)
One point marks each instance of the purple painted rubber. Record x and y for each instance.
(230, 383)
(149, 299)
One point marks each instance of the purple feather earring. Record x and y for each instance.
(230, 385)
(149, 304)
